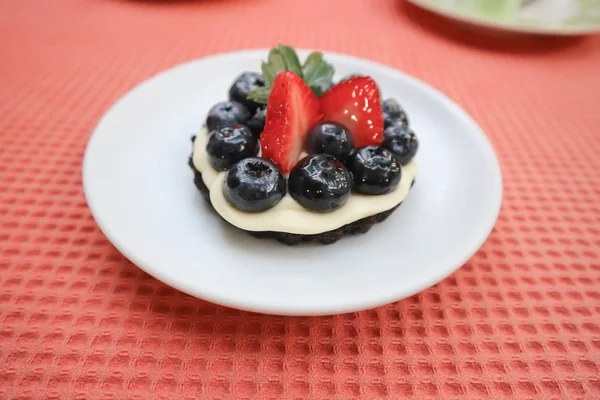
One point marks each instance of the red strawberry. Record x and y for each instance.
(292, 110)
(356, 104)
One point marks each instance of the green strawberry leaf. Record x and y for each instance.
(311, 64)
(316, 72)
(323, 74)
(260, 95)
(276, 61)
(268, 74)
(291, 59)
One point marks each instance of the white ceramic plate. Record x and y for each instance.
(139, 188)
(542, 17)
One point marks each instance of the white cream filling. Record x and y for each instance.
(289, 216)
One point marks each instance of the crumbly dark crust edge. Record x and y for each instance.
(353, 228)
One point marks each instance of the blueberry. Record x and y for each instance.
(402, 143)
(254, 185)
(374, 170)
(320, 183)
(330, 138)
(243, 85)
(226, 113)
(228, 145)
(393, 114)
(257, 122)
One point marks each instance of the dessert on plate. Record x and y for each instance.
(294, 157)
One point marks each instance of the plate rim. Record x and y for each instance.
(219, 298)
(505, 26)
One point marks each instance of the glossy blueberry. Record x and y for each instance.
(393, 114)
(226, 146)
(254, 185)
(243, 85)
(257, 122)
(226, 113)
(374, 170)
(401, 142)
(320, 183)
(330, 138)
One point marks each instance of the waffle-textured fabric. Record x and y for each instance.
(78, 321)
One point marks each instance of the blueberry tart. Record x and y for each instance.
(293, 157)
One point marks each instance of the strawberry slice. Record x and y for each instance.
(292, 110)
(356, 103)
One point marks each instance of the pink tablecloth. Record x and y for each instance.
(520, 320)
